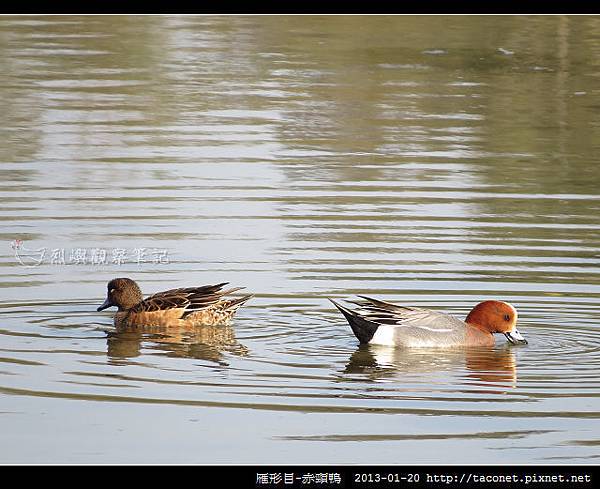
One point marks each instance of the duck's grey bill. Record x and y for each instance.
(106, 305)
(515, 338)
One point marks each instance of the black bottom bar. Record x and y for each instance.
(361, 476)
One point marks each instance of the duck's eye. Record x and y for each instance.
(112, 290)
(506, 317)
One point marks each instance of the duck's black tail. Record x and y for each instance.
(361, 327)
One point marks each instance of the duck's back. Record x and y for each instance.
(421, 328)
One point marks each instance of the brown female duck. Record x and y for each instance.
(186, 307)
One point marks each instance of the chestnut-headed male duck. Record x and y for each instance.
(382, 323)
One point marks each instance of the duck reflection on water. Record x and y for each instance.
(208, 343)
(484, 366)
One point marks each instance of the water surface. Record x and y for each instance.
(431, 161)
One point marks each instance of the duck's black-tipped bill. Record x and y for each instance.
(515, 338)
(106, 305)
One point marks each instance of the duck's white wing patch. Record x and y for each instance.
(435, 330)
(385, 335)
(418, 318)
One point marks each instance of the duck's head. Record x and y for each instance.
(496, 317)
(123, 293)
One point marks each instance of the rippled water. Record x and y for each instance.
(432, 161)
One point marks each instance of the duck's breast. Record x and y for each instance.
(167, 317)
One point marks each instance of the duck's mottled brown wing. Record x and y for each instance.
(189, 299)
